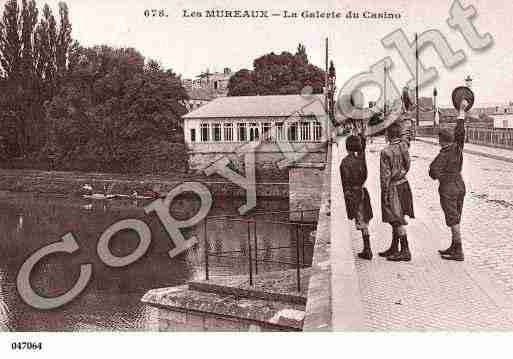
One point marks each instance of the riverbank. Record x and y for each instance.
(69, 183)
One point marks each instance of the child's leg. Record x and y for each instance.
(452, 211)
(455, 229)
(456, 254)
(394, 246)
(366, 253)
(456, 233)
(401, 230)
(404, 255)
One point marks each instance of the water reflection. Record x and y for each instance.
(111, 301)
(4, 309)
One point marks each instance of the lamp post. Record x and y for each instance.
(385, 90)
(468, 82)
(435, 110)
(331, 92)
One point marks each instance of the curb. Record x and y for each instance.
(318, 311)
(347, 305)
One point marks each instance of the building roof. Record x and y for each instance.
(205, 94)
(260, 106)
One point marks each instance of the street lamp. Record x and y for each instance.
(331, 92)
(468, 81)
(435, 111)
(385, 69)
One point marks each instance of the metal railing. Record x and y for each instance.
(494, 137)
(252, 242)
(502, 138)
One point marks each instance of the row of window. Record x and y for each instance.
(267, 131)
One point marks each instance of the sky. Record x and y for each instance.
(191, 45)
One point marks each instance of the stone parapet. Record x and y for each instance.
(318, 315)
(231, 304)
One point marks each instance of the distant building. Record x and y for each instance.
(220, 127)
(199, 97)
(483, 114)
(187, 84)
(206, 87)
(503, 121)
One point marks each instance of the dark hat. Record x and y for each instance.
(353, 144)
(445, 135)
(394, 130)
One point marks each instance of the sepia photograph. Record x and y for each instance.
(330, 167)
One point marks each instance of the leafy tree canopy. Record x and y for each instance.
(115, 107)
(274, 74)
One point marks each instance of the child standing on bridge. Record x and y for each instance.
(353, 172)
(446, 168)
(396, 196)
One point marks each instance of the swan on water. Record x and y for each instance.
(87, 187)
(90, 195)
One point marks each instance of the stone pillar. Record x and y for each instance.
(305, 189)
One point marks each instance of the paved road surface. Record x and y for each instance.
(430, 293)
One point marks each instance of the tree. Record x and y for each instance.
(301, 53)
(95, 108)
(64, 40)
(273, 74)
(242, 83)
(33, 59)
(10, 42)
(153, 66)
(117, 111)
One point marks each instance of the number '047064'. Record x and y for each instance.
(26, 346)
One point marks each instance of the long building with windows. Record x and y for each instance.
(283, 127)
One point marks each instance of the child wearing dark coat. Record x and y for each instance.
(396, 196)
(446, 168)
(353, 173)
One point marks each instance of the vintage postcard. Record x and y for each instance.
(235, 166)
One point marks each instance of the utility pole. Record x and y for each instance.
(326, 78)
(417, 76)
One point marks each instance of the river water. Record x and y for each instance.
(111, 300)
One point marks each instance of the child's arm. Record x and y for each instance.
(364, 172)
(459, 133)
(385, 176)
